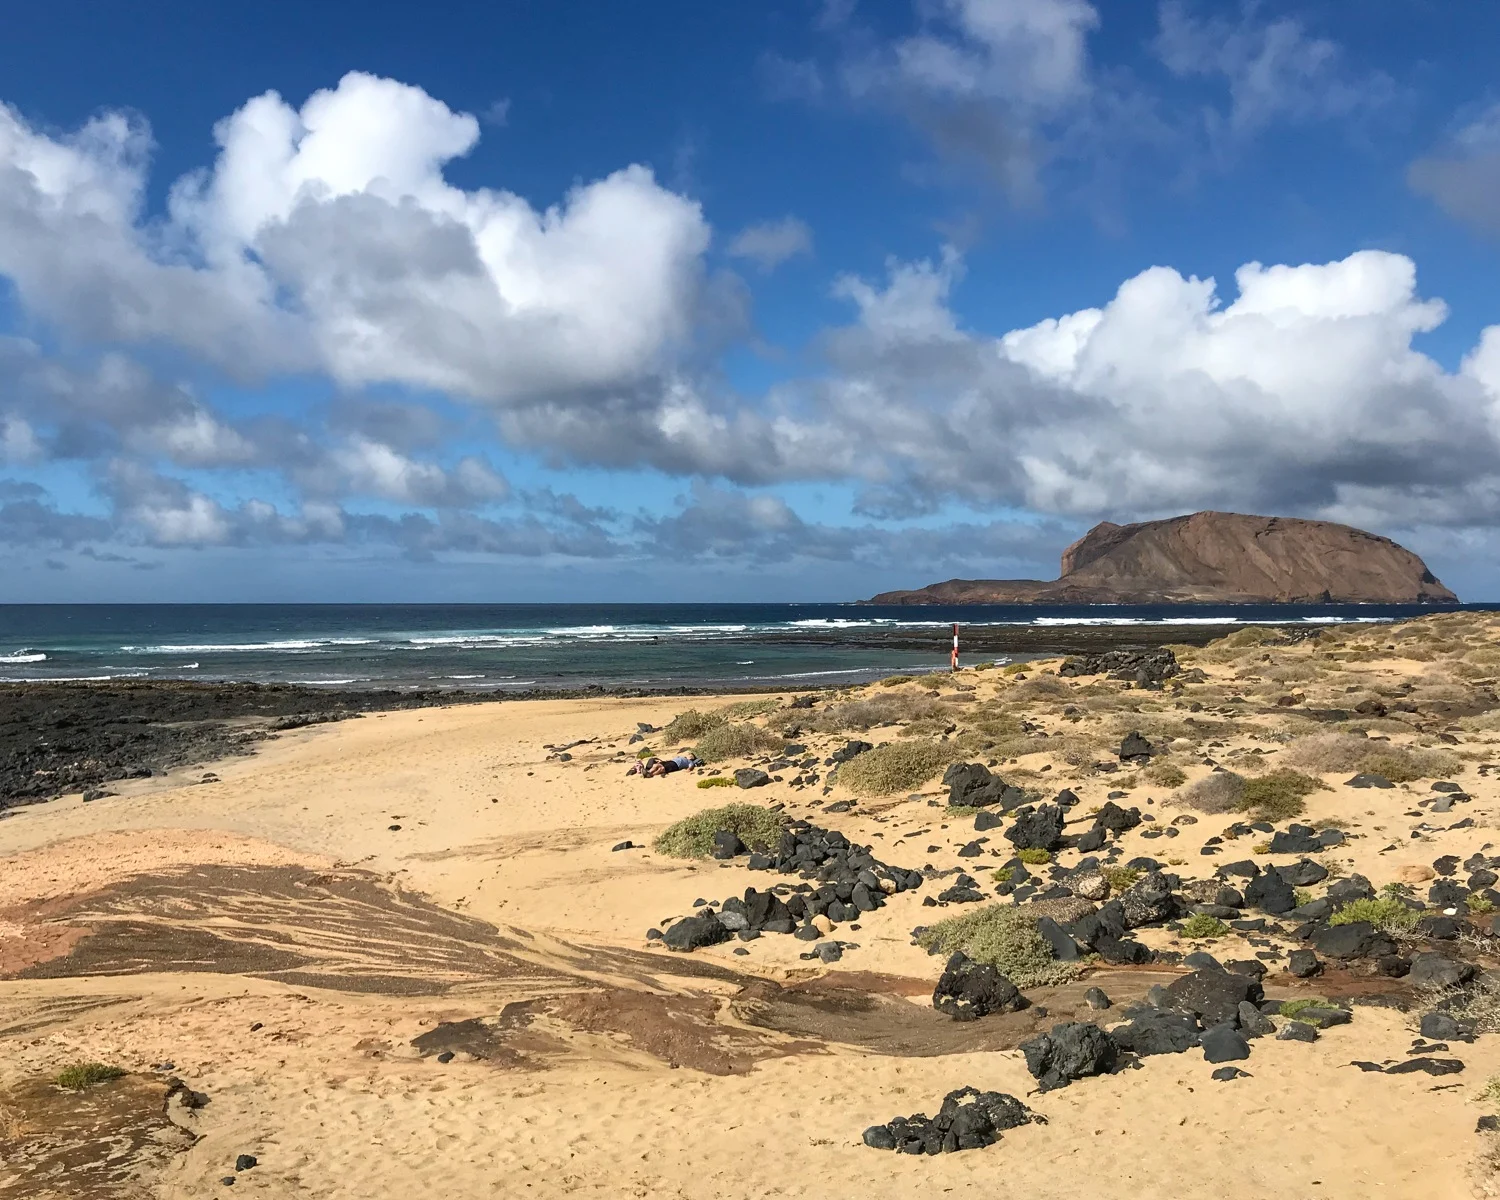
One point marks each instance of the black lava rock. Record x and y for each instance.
(972, 785)
(1157, 1031)
(692, 932)
(1428, 1066)
(968, 990)
(1304, 873)
(1223, 1043)
(1303, 964)
(1436, 971)
(1358, 939)
(968, 1120)
(727, 844)
(1145, 668)
(1116, 819)
(1039, 829)
(851, 749)
(1212, 996)
(1064, 948)
(1270, 892)
(1070, 1051)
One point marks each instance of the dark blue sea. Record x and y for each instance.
(518, 646)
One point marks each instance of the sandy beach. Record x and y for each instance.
(302, 934)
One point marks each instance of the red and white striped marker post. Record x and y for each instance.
(955, 645)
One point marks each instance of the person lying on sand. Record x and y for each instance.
(654, 767)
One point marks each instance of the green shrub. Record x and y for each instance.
(691, 725)
(1278, 795)
(737, 741)
(1121, 878)
(894, 767)
(1005, 938)
(1386, 913)
(1034, 858)
(893, 680)
(1165, 774)
(1003, 875)
(1292, 1009)
(693, 837)
(1014, 668)
(1479, 905)
(86, 1074)
(717, 781)
(1201, 925)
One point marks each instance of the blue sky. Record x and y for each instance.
(775, 301)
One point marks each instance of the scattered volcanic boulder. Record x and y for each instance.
(968, 1120)
(1037, 829)
(1071, 1051)
(969, 990)
(971, 785)
(1212, 557)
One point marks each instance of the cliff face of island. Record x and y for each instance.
(1212, 558)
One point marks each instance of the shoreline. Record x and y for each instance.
(57, 738)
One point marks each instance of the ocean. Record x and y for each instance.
(529, 646)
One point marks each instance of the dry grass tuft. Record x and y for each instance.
(745, 709)
(886, 708)
(688, 726)
(737, 741)
(1219, 792)
(1326, 753)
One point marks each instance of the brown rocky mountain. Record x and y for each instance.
(1214, 558)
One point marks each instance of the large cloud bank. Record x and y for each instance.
(325, 240)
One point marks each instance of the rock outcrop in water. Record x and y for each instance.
(1212, 557)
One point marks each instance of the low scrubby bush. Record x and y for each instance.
(1202, 926)
(1278, 795)
(894, 767)
(1005, 938)
(1165, 773)
(693, 837)
(86, 1074)
(1325, 753)
(737, 740)
(1386, 913)
(1220, 792)
(690, 725)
